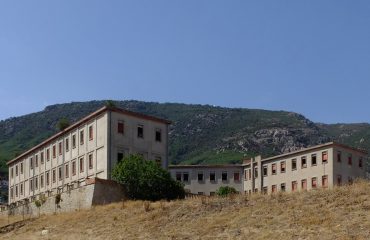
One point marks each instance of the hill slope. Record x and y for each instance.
(341, 213)
(199, 134)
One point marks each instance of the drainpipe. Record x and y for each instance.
(109, 147)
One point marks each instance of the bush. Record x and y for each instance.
(63, 124)
(226, 191)
(145, 180)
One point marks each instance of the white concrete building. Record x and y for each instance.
(87, 149)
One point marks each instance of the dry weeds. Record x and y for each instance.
(340, 213)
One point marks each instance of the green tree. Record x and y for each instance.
(145, 180)
(62, 124)
(224, 191)
(110, 103)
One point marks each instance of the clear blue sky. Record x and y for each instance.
(311, 57)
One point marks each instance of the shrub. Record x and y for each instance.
(145, 180)
(226, 191)
(63, 124)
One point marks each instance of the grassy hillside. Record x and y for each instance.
(199, 133)
(340, 213)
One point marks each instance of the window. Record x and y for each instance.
(325, 157)
(54, 176)
(16, 170)
(119, 156)
(249, 174)
(60, 148)
(212, 177)
(178, 176)
(236, 177)
(350, 180)
(313, 160)
(11, 193)
(339, 180)
(360, 162)
(31, 184)
(186, 177)
(224, 176)
(265, 171)
(314, 182)
(36, 160)
(273, 188)
(67, 144)
(304, 184)
(200, 193)
(158, 135)
(12, 173)
(81, 165)
(140, 131)
(21, 188)
(255, 172)
(212, 193)
(47, 178)
(21, 167)
(303, 162)
(74, 168)
(47, 154)
(264, 190)
(120, 127)
(91, 133)
(324, 181)
(16, 190)
(282, 167)
(36, 183)
(158, 160)
(339, 156)
(74, 141)
(294, 164)
(60, 177)
(54, 151)
(282, 187)
(42, 157)
(91, 163)
(67, 170)
(31, 164)
(273, 168)
(82, 137)
(350, 159)
(42, 181)
(200, 176)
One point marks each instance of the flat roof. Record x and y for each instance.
(86, 119)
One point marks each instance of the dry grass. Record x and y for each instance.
(340, 213)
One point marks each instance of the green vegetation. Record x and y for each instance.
(145, 180)
(63, 124)
(225, 191)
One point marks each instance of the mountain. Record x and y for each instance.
(199, 134)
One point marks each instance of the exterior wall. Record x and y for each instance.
(128, 142)
(206, 186)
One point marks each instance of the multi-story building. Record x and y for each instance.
(89, 148)
(322, 166)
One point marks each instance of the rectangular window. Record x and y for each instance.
(36, 160)
(236, 177)
(212, 177)
(360, 162)
(60, 177)
(282, 187)
(304, 184)
(350, 159)
(91, 163)
(158, 160)
(339, 156)
(282, 167)
(67, 170)
(31, 163)
(48, 154)
(314, 182)
(273, 169)
(47, 178)
(31, 184)
(294, 186)
(60, 149)
(224, 176)
(42, 157)
(74, 141)
(12, 173)
(36, 183)
(21, 188)
(119, 157)
(120, 127)
(16, 190)
(54, 151)
(294, 164)
(255, 172)
(325, 157)
(200, 176)
(350, 180)
(273, 188)
(178, 176)
(339, 180)
(82, 140)
(265, 171)
(313, 160)
(16, 170)
(91, 133)
(324, 181)
(81, 165)
(186, 177)
(140, 131)
(42, 180)
(264, 190)
(303, 162)
(158, 135)
(54, 176)
(249, 174)
(67, 144)
(11, 192)
(74, 168)
(21, 167)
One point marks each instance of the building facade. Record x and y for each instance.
(89, 148)
(321, 166)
